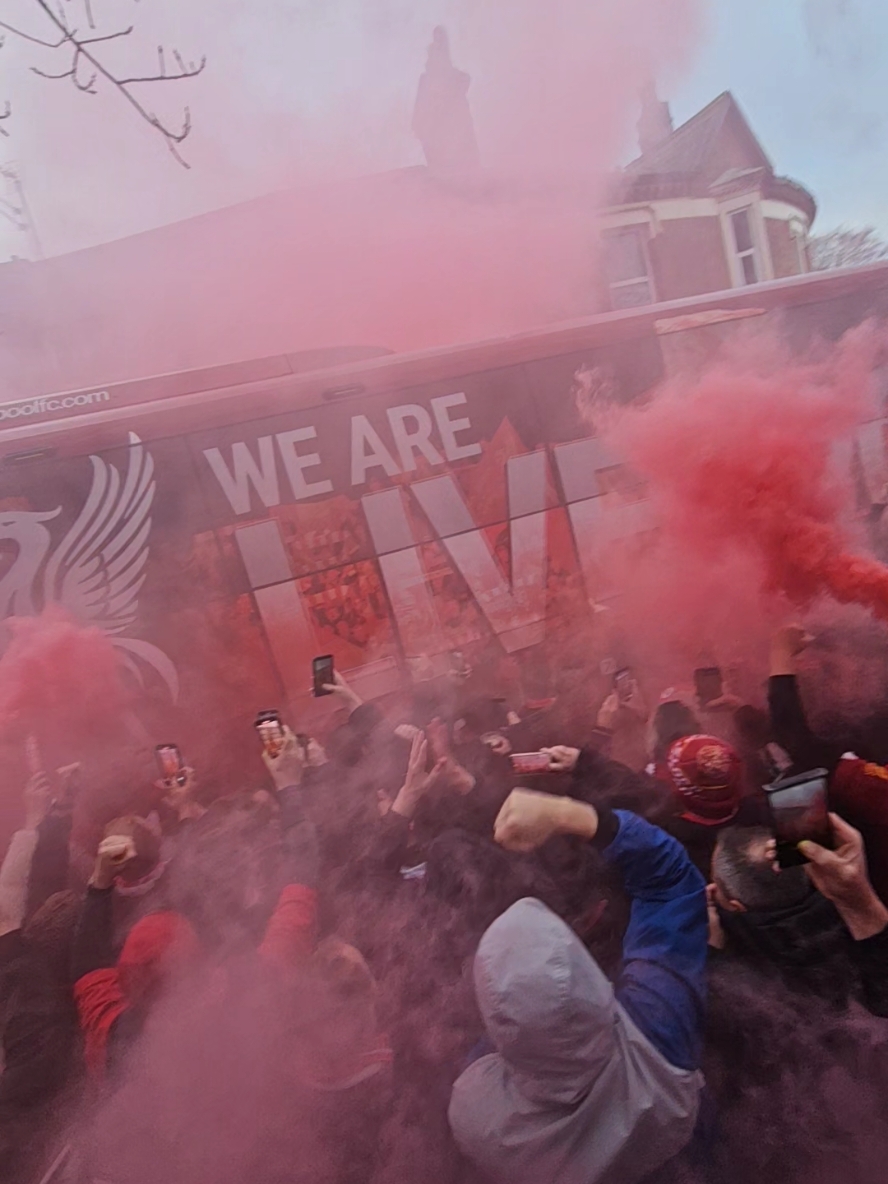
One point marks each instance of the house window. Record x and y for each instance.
(800, 238)
(627, 269)
(744, 246)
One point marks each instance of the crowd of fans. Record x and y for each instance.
(400, 959)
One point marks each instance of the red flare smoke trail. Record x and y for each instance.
(58, 675)
(743, 459)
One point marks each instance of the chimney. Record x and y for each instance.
(655, 121)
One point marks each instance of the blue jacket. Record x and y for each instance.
(662, 982)
(590, 1082)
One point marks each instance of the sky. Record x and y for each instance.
(811, 77)
(301, 90)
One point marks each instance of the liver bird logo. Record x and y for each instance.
(97, 570)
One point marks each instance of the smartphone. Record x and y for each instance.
(530, 762)
(271, 731)
(322, 674)
(799, 810)
(709, 684)
(624, 684)
(171, 763)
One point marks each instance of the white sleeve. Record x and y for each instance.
(14, 872)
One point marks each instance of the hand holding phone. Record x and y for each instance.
(271, 731)
(799, 812)
(322, 675)
(841, 876)
(527, 763)
(171, 764)
(286, 764)
(625, 684)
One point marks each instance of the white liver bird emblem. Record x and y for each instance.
(97, 570)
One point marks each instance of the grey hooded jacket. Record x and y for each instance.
(576, 1093)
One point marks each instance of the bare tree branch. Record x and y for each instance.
(13, 214)
(30, 37)
(86, 69)
(189, 70)
(847, 247)
(106, 37)
(9, 210)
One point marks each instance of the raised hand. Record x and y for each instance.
(562, 758)
(287, 766)
(345, 693)
(529, 819)
(37, 798)
(113, 854)
(841, 876)
(418, 780)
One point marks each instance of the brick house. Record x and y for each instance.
(700, 210)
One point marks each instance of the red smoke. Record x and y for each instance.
(741, 460)
(58, 675)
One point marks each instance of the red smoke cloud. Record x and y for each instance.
(740, 466)
(58, 675)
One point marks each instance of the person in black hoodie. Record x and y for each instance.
(778, 922)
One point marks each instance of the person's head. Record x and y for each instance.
(482, 716)
(753, 727)
(669, 723)
(546, 1005)
(146, 840)
(225, 875)
(744, 876)
(333, 1021)
(479, 880)
(705, 775)
(341, 971)
(159, 949)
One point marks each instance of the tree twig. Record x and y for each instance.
(85, 69)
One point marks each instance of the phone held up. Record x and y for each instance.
(171, 763)
(271, 732)
(624, 684)
(322, 675)
(709, 684)
(799, 810)
(527, 763)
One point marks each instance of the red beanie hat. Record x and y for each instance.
(705, 773)
(155, 948)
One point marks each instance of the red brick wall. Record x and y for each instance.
(784, 252)
(688, 258)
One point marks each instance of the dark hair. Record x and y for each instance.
(751, 879)
(485, 715)
(672, 721)
(472, 874)
(753, 726)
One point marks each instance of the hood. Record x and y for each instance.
(575, 1093)
(157, 948)
(547, 1007)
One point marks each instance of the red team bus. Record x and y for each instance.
(226, 525)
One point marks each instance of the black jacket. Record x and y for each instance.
(810, 949)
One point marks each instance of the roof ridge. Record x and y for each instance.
(686, 148)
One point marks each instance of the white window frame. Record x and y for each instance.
(761, 249)
(799, 232)
(635, 227)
